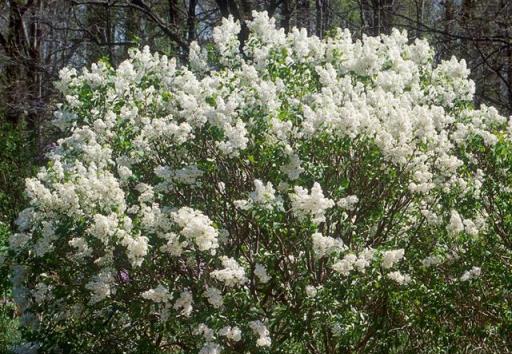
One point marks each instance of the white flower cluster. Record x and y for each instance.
(137, 248)
(315, 204)
(232, 274)
(197, 227)
(324, 245)
(431, 261)
(311, 291)
(293, 168)
(214, 297)
(261, 330)
(348, 202)
(351, 261)
(474, 272)
(231, 333)
(261, 272)
(184, 303)
(401, 279)
(100, 286)
(160, 294)
(208, 334)
(457, 225)
(264, 196)
(389, 258)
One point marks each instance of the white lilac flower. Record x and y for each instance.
(470, 227)
(364, 259)
(184, 303)
(137, 248)
(210, 348)
(431, 261)
(214, 296)
(41, 292)
(325, 245)
(348, 203)
(160, 294)
(104, 227)
(311, 291)
(293, 168)
(231, 333)
(206, 332)
(236, 139)
(389, 258)
(456, 224)
(264, 194)
(232, 274)
(101, 286)
(474, 272)
(401, 279)
(261, 330)
(19, 240)
(24, 219)
(345, 265)
(197, 57)
(173, 246)
(261, 272)
(197, 227)
(226, 37)
(188, 174)
(310, 204)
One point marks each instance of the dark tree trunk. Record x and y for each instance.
(191, 21)
(319, 7)
(173, 13)
(303, 15)
(22, 70)
(285, 15)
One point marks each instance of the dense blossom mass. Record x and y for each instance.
(294, 195)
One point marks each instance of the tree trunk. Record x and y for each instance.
(303, 14)
(319, 7)
(285, 15)
(191, 21)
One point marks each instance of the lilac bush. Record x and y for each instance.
(299, 196)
